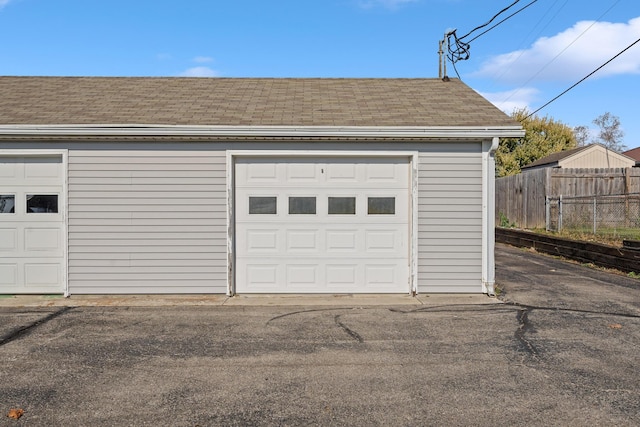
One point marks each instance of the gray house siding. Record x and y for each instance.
(152, 218)
(147, 221)
(450, 219)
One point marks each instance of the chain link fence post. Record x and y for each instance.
(595, 215)
(547, 208)
(615, 214)
(560, 213)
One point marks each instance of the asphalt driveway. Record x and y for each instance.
(559, 348)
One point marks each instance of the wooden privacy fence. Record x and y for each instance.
(520, 199)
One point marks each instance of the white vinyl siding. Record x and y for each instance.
(147, 221)
(450, 221)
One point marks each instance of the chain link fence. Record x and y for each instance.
(617, 215)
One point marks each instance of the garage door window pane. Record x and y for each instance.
(302, 205)
(382, 206)
(7, 203)
(42, 203)
(342, 205)
(263, 205)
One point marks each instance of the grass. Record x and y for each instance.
(613, 237)
(631, 275)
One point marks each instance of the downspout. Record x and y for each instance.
(488, 215)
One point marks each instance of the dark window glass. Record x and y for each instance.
(7, 203)
(302, 205)
(42, 203)
(263, 205)
(342, 206)
(382, 205)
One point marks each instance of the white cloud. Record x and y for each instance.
(202, 59)
(511, 100)
(389, 4)
(571, 54)
(3, 3)
(199, 72)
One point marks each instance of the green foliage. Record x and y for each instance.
(544, 136)
(504, 221)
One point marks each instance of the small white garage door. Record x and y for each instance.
(31, 225)
(331, 225)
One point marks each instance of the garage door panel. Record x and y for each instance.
(381, 274)
(343, 276)
(9, 168)
(32, 276)
(341, 172)
(42, 168)
(302, 276)
(8, 240)
(382, 240)
(8, 276)
(302, 173)
(302, 240)
(37, 239)
(261, 173)
(385, 173)
(262, 241)
(261, 276)
(30, 170)
(328, 240)
(31, 233)
(342, 240)
(42, 274)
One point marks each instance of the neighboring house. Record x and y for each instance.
(583, 172)
(588, 157)
(634, 154)
(229, 185)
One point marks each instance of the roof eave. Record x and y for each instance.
(128, 130)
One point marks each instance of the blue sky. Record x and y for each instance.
(523, 62)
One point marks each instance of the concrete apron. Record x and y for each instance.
(244, 300)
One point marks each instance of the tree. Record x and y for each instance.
(582, 134)
(610, 134)
(543, 136)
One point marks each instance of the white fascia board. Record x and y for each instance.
(265, 131)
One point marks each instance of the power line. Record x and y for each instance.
(514, 93)
(586, 77)
(522, 51)
(510, 16)
(461, 51)
(491, 20)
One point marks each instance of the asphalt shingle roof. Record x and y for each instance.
(244, 102)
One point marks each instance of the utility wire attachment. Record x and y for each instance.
(460, 50)
(442, 66)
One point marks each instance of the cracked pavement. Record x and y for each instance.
(560, 348)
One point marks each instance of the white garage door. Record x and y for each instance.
(322, 225)
(31, 225)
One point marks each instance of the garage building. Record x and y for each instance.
(246, 185)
